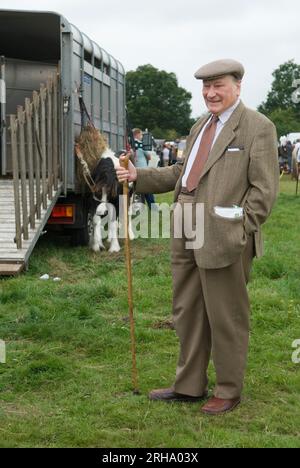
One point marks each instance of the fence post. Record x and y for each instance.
(28, 113)
(49, 139)
(55, 132)
(37, 152)
(43, 144)
(15, 164)
(3, 168)
(21, 121)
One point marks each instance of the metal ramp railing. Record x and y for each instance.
(27, 199)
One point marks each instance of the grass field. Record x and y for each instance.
(67, 380)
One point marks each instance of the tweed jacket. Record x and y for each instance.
(247, 177)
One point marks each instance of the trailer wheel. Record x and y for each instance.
(83, 236)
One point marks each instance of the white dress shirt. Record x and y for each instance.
(221, 122)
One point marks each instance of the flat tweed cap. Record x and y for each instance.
(220, 68)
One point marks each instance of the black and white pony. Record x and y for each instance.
(107, 195)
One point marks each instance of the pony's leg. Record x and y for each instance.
(102, 208)
(130, 214)
(113, 229)
(96, 241)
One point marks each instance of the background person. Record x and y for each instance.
(142, 159)
(166, 155)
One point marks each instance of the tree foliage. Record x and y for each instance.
(281, 105)
(156, 101)
(285, 121)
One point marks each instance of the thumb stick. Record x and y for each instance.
(124, 163)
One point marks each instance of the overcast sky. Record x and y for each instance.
(181, 35)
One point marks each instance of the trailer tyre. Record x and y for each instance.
(83, 236)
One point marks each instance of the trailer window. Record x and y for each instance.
(88, 57)
(30, 35)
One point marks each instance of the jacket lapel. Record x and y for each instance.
(225, 138)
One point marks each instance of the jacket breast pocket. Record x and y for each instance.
(235, 163)
(236, 152)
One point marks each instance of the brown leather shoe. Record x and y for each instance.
(217, 406)
(168, 395)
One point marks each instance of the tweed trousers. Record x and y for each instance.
(211, 316)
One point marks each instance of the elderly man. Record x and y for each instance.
(230, 161)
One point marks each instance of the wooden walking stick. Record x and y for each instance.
(124, 163)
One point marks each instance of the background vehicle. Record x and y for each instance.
(181, 148)
(292, 137)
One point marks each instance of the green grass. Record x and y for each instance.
(67, 380)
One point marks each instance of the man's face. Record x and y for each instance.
(138, 136)
(221, 93)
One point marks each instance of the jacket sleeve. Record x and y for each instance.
(164, 179)
(158, 180)
(263, 175)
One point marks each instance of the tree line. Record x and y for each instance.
(156, 101)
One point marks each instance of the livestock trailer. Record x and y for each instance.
(52, 78)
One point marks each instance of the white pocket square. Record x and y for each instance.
(233, 149)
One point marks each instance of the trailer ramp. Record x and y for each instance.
(12, 259)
